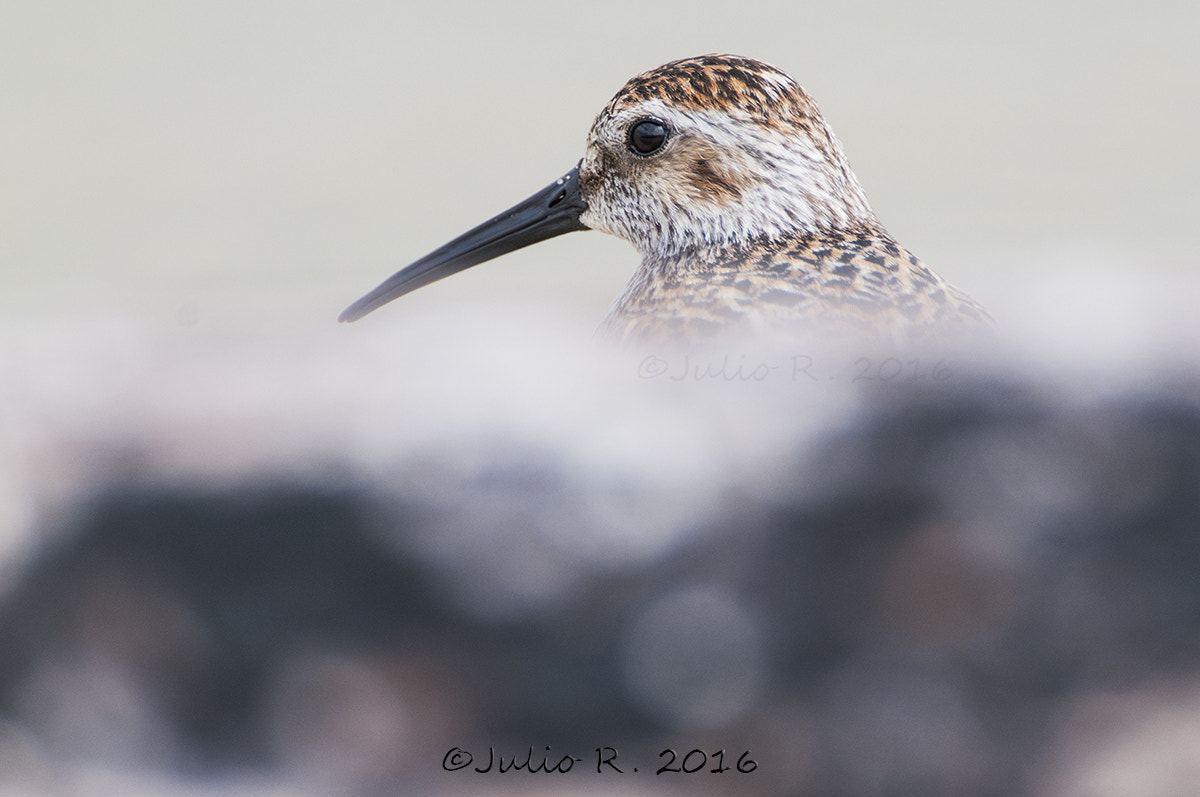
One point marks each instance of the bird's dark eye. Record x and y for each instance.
(647, 136)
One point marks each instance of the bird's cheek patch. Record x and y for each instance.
(713, 183)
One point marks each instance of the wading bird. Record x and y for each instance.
(724, 176)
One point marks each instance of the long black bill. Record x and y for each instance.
(552, 211)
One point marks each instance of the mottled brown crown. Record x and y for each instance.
(731, 84)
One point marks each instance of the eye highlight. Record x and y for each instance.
(647, 136)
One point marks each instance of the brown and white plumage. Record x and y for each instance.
(750, 215)
(722, 173)
(863, 284)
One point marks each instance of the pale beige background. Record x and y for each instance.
(166, 157)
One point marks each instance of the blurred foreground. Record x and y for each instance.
(235, 572)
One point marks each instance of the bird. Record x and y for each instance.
(722, 173)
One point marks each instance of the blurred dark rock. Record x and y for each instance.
(921, 608)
